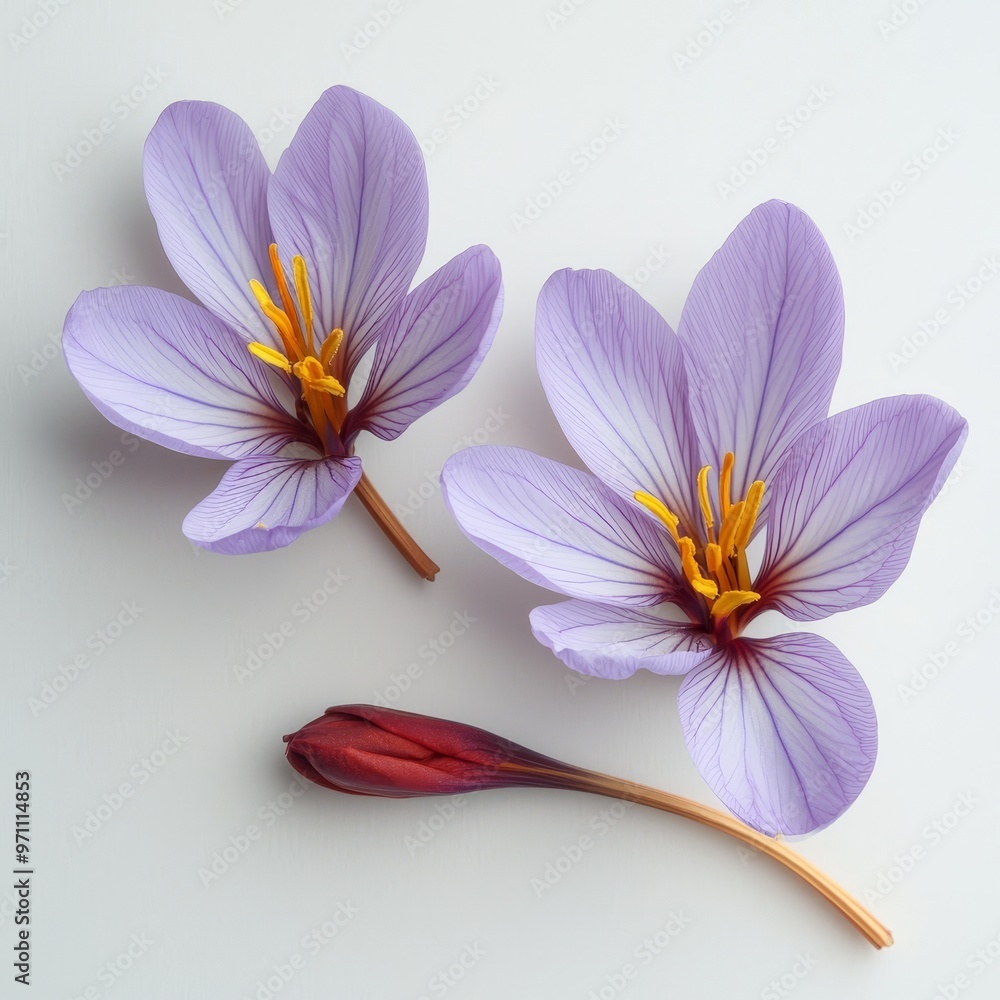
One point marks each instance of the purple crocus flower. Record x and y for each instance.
(699, 441)
(300, 273)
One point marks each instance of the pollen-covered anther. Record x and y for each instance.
(707, 588)
(729, 601)
(311, 373)
(270, 356)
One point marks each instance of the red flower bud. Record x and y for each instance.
(380, 751)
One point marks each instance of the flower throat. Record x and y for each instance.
(294, 323)
(715, 565)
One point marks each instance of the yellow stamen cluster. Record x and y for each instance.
(716, 565)
(293, 321)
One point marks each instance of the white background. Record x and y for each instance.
(652, 194)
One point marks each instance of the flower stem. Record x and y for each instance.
(394, 530)
(604, 784)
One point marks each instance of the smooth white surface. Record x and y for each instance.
(880, 96)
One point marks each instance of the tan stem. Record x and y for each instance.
(393, 530)
(604, 784)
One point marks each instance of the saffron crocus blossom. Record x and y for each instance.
(698, 441)
(364, 750)
(300, 273)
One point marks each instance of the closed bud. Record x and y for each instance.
(381, 751)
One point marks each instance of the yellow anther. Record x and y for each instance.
(729, 601)
(713, 558)
(728, 530)
(313, 376)
(660, 509)
(275, 315)
(754, 496)
(706, 504)
(707, 588)
(305, 301)
(270, 356)
(720, 567)
(330, 347)
(726, 483)
(286, 296)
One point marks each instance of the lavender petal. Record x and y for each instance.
(782, 729)
(848, 501)
(615, 642)
(558, 527)
(206, 183)
(266, 503)
(432, 345)
(350, 195)
(762, 331)
(614, 376)
(168, 370)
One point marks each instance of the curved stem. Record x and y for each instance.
(394, 530)
(856, 913)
